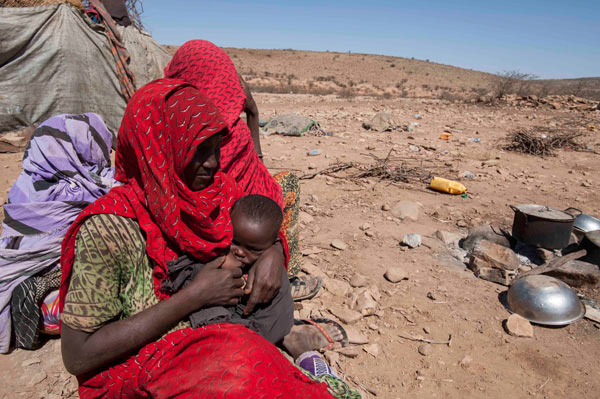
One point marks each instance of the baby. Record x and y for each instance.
(256, 221)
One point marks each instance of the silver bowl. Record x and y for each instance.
(586, 223)
(544, 300)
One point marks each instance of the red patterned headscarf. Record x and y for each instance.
(163, 125)
(209, 68)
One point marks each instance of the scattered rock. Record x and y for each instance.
(466, 361)
(373, 326)
(412, 240)
(356, 337)
(372, 350)
(395, 274)
(363, 301)
(339, 244)
(313, 270)
(448, 238)
(406, 210)
(413, 148)
(358, 280)
(336, 287)
(577, 274)
(431, 296)
(468, 175)
(381, 122)
(459, 254)
(499, 276)
(348, 351)
(347, 316)
(385, 207)
(544, 254)
(332, 357)
(365, 226)
(305, 218)
(518, 326)
(485, 232)
(15, 139)
(29, 362)
(495, 256)
(462, 223)
(425, 349)
(37, 378)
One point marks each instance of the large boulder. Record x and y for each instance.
(577, 274)
(495, 256)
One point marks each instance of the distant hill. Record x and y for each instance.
(351, 74)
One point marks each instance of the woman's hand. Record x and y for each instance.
(264, 278)
(214, 286)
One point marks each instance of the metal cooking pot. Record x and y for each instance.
(583, 221)
(591, 243)
(540, 226)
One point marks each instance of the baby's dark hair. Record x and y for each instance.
(260, 209)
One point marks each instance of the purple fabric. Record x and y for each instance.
(66, 166)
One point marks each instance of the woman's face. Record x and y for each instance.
(200, 172)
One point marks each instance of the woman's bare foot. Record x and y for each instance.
(306, 338)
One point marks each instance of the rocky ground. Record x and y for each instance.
(438, 330)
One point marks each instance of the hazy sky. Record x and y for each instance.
(551, 39)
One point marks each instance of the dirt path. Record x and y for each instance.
(482, 360)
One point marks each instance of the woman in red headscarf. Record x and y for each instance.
(210, 69)
(122, 335)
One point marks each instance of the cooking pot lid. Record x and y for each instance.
(594, 237)
(542, 211)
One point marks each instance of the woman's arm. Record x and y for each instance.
(252, 117)
(87, 352)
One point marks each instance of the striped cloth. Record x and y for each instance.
(66, 166)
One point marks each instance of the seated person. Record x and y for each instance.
(256, 221)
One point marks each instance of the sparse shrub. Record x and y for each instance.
(325, 78)
(346, 93)
(512, 82)
(448, 96)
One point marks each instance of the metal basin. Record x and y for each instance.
(586, 223)
(544, 300)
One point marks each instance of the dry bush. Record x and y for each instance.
(541, 142)
(449, 96)
(512, 82)
(346, 93)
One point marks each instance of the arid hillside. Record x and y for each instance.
(350, 74)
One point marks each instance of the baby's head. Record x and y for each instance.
(256, 222)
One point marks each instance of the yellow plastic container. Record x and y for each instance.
(447, 186)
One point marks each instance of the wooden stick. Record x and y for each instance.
(554, 263)
(428, 341)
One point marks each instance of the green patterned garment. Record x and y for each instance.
(112, 275)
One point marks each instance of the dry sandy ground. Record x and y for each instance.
(482, 360)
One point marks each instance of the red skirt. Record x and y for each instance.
(217, 361)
